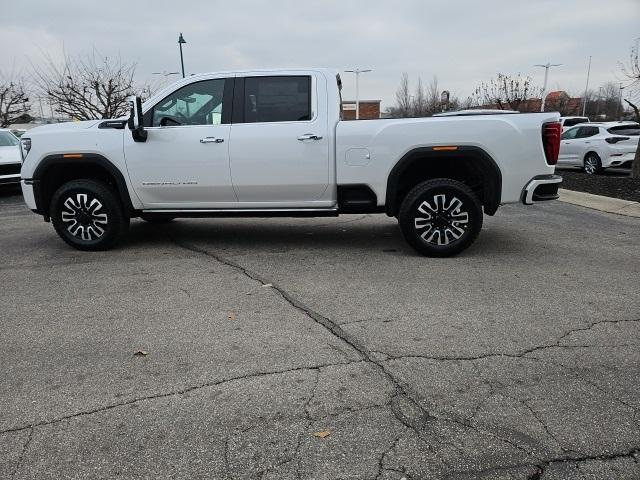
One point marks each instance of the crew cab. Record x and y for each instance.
(272, 143)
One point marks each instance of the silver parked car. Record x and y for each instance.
(10, 157)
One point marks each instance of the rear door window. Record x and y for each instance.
(277, 99)
(586, 132)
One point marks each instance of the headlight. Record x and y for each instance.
(25, 146)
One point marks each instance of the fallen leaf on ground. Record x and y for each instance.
(322, 434)
(268, 285)
(141, 353)
(232, 316)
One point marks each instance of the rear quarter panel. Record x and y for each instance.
(513, 141)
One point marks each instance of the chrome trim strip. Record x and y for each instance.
(242, 210)
(13, 175)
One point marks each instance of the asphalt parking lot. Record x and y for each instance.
(322, 349)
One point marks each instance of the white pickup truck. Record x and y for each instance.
(272, 143)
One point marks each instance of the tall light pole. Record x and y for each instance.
(357, 72)
(546, 77)
(584, 103)
(620, 106)
(181, 40)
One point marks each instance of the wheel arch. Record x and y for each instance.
(470, 165)
(590, 151)
(55, 170)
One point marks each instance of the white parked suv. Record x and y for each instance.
(272, 143)
(596, 146)
(10, 160)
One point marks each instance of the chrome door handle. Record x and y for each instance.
(309, 136)
(211, 140)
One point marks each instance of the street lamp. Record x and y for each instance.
(546, 76)
(586, 89)
(357, 72)
(181, 40)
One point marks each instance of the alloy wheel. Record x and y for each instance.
(591, 165)
(84, 217)
(441, 221)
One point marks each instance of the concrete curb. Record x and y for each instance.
(598, 202)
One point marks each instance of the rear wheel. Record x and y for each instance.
(592, 164)
(440, 217)
(87, 214)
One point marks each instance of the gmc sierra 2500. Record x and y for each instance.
(272, 143)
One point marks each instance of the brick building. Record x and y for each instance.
(369, 109)
(558, 101)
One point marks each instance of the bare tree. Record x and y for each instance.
(423, 103)
(403, 107)
(86, 87)
(419, 101)
(433, 98)
(506, 92)
(14, 102)
(632, 72)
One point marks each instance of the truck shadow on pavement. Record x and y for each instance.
(265, 235)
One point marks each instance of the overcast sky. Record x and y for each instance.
(463, 42)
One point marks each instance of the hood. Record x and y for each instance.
(10, 154)
(66, 126)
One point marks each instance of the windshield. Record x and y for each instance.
(7, 139)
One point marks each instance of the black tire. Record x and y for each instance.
(434, 223)
(156, 219)
(79, 220)
(592, 164)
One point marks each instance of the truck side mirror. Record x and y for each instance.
(135, 122)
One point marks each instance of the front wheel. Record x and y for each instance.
(87, 215)
(440, 217)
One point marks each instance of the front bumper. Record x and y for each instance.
(9, 179)
(29, 194)
(541, 188)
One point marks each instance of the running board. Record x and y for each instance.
(229, 212)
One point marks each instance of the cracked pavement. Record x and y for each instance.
(519, 359)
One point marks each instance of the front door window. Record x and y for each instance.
(199, 103)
